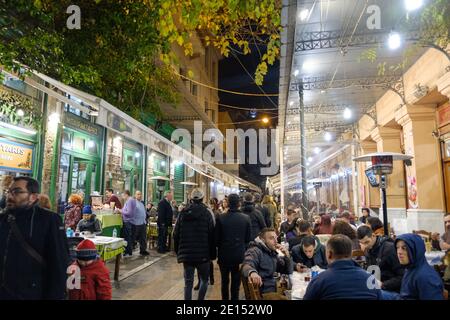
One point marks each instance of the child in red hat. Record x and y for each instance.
(94, 281)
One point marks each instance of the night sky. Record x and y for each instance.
(232, 76)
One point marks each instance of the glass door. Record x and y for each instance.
(77, 175)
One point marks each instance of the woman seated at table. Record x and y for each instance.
(309, 253)
(89, 222)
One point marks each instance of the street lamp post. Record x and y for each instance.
(303, 153)
(382, 165)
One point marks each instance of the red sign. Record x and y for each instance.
(444, 115)
(382, 164)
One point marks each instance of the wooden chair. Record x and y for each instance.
(357, 253)
(426, 236)
(250, 290)
(358, 257)
(445, 293)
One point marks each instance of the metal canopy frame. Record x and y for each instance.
(334, 39)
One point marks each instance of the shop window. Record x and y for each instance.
(67, 140)
(92, 147)
(447, 149)
(194, 89)
(78, 143)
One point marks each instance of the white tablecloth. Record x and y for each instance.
(299, 284)
(434, 257)
(110, 242)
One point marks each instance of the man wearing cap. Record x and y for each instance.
(89, 222)
(93, 282)
(194, 244)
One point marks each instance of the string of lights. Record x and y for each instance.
(248, 109)
(226, 91)
(248, 121)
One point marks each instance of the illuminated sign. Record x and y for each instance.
(15, 156)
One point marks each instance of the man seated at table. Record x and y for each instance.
(262, 261)
(343, 279)
(420, 280)
(89, 222)
(445, 240)
(380, 251)
(309, 253)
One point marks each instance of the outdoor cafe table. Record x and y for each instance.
(299, 284)
(152, 232)
(109, 222)
(109, 248)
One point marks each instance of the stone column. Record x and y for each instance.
(52, 151)
(371, 194)
(388, 140)
(424, 177)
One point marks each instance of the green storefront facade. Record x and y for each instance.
(21, 139)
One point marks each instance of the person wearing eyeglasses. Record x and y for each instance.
(33, 246)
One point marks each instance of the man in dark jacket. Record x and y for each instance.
(233, 231)
(287, 225)
(309, 253)
(302, 229)
(264, 210)
(365, 214)
(33, 247)
(343, 279)
(380, 251)
(420, 280)
(256, 219)
(262, 261)
(194, 243)
(165, 215)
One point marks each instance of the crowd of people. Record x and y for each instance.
(243, 232)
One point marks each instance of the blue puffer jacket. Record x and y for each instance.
(343, 279)
(420, 280)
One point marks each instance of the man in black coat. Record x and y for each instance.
(256, 218)
(264, 210)
(381, 251)
(165, 215)
(194, 243)
(33, 247)
(232, 238)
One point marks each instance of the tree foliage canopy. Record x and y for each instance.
(122, 51)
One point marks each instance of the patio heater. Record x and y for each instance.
(382, 165)
(317, 183)
(160, 184)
